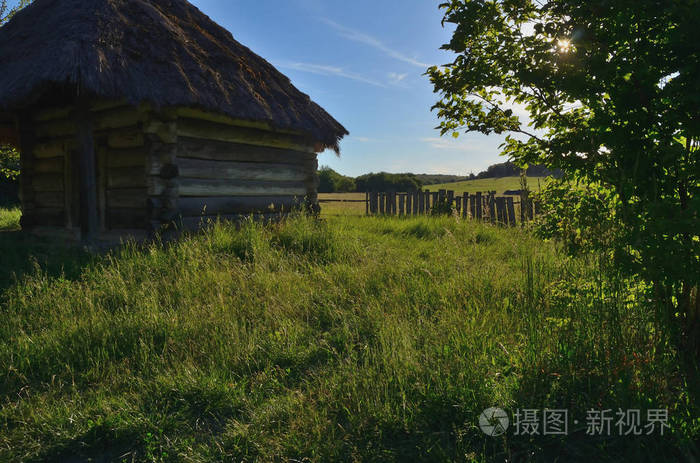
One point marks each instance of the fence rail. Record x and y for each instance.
(487, 207)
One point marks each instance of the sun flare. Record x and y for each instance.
(564, 45)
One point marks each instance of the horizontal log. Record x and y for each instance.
(166, 131)
(209, 188)
(198, 168)
(57, 128)
(52, 149)
(54, 200)
(206, 130)
(126, 177)
(48, 166)
(59, 232)
(237, 152)
(126, 138)
(45, 216)
(193, 113)
(47, 182)
(127, 198)
(237, 205)
(66, 112)
(132, 218)
(117, 118)
(107, 119)
(135, 157)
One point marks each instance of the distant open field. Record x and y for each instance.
(499, 185)
(342, 208)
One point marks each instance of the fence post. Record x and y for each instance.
(501, 210)
(382, 203)
(479, 205)
(472, 206)
(450, 197)
(465, 204)
(436, 198)
(402, 204)
(511, 211)
(409, 203)
(492, 208)
(458, 205)
(442, 194)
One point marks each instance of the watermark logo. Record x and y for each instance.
(494, 422)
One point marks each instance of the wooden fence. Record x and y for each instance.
(480, 206)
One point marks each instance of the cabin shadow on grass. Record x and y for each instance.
(23, 254)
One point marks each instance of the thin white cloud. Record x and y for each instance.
(447, 143)
(327, 70)
(366, 39)
(396, 78)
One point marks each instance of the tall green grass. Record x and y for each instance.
(354, 339)
(9, 219)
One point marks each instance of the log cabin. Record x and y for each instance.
(131, 115)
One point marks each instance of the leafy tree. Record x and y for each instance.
(331, 181)
(6, 13)
(612, 92)
(9, 157)
(509, 169)
(383, 181)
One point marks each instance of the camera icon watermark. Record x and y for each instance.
(494, 422)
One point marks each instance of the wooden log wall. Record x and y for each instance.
(157, 166)
(226, 169)
(52, 180)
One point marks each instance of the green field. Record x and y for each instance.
(330, 209)
(499, 185)
(345, 339)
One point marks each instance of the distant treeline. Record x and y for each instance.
(333, 182)
(432, 179)
(508, 169)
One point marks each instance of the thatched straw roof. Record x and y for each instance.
(164, 52)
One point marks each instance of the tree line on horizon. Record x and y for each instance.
(331, 181)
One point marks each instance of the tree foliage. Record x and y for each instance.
(612, 92)
(6, 12)
(9, 157)
(331, 181)
(383, 181)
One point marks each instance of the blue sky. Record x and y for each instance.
(363, 61)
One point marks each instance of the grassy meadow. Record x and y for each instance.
(344, 339)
